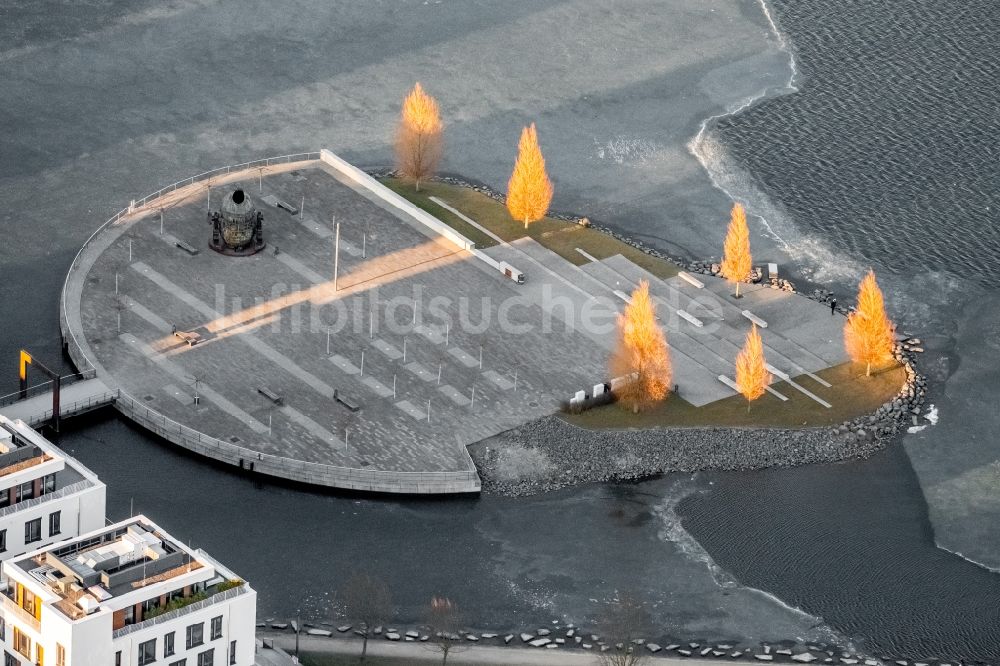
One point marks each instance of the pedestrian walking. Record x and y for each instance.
(833, 306)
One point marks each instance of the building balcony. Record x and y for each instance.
(47, 497)
(22, 616)
(214, 598)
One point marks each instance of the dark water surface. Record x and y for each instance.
(852, 543)
(887, 156)
(890, 151)
(510, 564)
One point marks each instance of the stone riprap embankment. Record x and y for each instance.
(549, 453)
(558, 454)
(330, 638)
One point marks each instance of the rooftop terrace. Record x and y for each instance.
(97, 568)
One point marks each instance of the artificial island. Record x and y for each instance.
(297, 318)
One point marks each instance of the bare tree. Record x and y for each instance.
(366, 600)
(624, 621)
(444, 618)
(418, 139)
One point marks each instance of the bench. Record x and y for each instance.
(693, 281)
(292, 210)
(270, 395)
(186, 247)
(754, 318)
(690, 317)
(345, 401)
(189, 337)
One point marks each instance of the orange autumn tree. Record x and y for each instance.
(752, 376)
(736, 257)
(529, 190)
(641, 356)
(868, 333)
(419, 142)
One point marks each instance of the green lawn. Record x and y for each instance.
(561, 237)
(851, 395)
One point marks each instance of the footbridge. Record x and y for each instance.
(58, 398)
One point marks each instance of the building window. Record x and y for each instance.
(232, 653)
(10, 660)
(179, 662)
(118, 658)
(207, 658)
(55, 518)
(5, 496)
(3, 630)
(60, 655)
(49, 483)
(28, 601)
(216, 627)
(195, 635)
(147, 652)
(33, 530)
(3, 541)
(168, 644)
(25, 491)
(22, 643)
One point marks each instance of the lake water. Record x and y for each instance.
(886, 156)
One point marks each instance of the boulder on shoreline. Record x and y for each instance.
(576, 455)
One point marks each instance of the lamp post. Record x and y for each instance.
(298, 628)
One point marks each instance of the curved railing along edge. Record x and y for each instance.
(140, 203)
(347, 478)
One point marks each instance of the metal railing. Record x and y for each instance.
(75, 350)
(23, 616)
(35, 501)
(69, 409)
(226, 170)
(46, 386)
(216, 598)
(290, 468)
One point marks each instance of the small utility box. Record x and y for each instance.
(511, 272)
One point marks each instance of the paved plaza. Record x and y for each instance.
(434, 347)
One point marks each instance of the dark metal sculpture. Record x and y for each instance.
(237, 230)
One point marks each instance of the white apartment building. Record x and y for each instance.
(45, 495)
(125, 595)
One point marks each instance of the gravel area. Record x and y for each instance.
(576, 455)
(549, 453)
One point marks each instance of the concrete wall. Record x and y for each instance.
(367, 480)
(362, 179)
